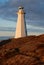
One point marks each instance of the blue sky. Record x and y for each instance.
(3, 1)
(34, 15)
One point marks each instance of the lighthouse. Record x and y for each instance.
(21, 24)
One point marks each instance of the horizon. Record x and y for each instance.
(34, 16)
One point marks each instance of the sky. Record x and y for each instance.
(34, 16)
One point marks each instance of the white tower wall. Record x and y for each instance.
(20, 28)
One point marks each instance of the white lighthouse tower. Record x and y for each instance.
(21, 24)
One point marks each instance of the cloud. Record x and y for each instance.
(34, 8)
(35, 28)
(7, 29)
(34, 12)
(7, 33)
(38, 23)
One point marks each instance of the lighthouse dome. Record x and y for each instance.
(21, 7)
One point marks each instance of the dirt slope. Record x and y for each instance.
(23, 51)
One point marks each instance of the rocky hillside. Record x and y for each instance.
(23, 51)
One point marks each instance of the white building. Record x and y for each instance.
(21, 24)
